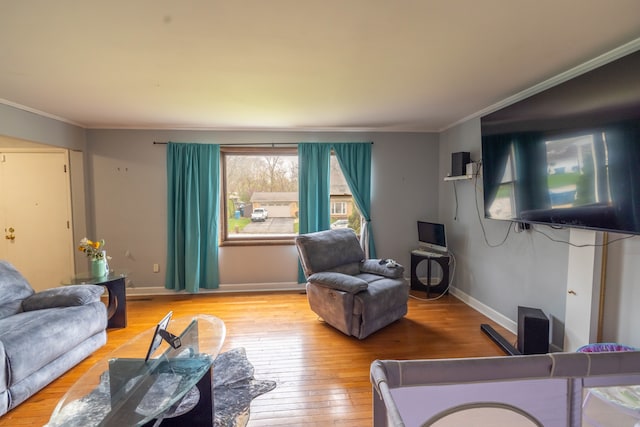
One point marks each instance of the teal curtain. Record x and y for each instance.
(193, 175)
(355, 162)
(313, 188)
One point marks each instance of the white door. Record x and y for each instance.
(35, 215)
(583, 288)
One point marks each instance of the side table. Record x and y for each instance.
(416, 284)
(116, 287)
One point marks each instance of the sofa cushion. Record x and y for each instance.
(35, 338)
(66, 296)
(13, 289)
(339, 281)
(10, 308)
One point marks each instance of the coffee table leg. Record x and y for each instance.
(202, 414)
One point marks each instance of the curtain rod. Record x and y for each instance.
(260, 144)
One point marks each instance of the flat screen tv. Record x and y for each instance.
(570, 155)
(431, 236)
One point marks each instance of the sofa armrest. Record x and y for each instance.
(338, 281)
(373, 266)
(65, 296)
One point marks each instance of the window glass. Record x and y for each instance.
(261, 193)
(344, 213)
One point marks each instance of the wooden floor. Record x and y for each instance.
(322, 375)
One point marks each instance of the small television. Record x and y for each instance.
(569, 155)
(431, 236)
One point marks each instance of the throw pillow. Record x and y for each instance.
(65, 296)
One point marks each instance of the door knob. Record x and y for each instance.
(10, 235)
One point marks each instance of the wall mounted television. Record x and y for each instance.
(569, 155)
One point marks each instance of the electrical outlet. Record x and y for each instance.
(156, 268)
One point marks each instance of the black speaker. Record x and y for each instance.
(533, 331)
(459, 163)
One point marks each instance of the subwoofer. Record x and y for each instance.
(459, 163)
(533, 331)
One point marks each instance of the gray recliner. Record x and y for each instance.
(355, 295)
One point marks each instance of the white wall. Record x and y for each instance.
(528, 269)
(128, 182)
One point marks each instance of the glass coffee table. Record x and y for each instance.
(172, 387)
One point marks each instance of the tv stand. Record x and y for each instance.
(441, 287)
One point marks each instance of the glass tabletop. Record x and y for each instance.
(88, 279)
(125, 389)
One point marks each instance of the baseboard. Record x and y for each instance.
(228, 288)
(501, 320)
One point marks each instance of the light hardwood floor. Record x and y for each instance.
(322, 375)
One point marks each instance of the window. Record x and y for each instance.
(260, 186)
(260, 190)
(338, 208)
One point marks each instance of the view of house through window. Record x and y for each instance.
(344, 213)
(260, 186)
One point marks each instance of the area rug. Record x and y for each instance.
(234, 387)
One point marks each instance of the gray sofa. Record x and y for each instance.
(44, 334)
(355, 295)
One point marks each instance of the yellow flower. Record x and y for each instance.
(92, 249)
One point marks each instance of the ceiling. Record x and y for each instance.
(376, 65)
